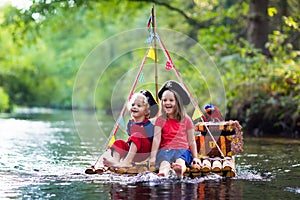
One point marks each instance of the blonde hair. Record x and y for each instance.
(179, 108)
(145, 102)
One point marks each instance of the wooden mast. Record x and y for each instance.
(155, 51)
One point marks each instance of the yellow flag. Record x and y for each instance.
(151, 53)
(197, 113)
(112, 140)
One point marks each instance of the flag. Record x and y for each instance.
(141, 78)
(112, 140)
(197, 113)
(150, 38)
(151, 53)
(169, 65)
(149, 21)
(121, 122)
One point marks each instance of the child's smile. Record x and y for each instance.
(168, 102)
(138, 110)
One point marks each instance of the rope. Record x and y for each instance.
(122, 113)
(195, 104)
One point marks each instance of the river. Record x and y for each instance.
(42, 156)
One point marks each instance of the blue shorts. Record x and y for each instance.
(173, 154)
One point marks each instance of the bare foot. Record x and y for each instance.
(124, 164)
(114, 163)
(178, 169)
(109, 162)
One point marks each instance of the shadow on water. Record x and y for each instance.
(42, 157)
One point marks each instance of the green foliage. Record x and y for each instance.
(4, 100)
(265, 93)
(43, 48)
(262, 93)
(42, 56)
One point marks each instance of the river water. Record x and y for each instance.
(42, 156)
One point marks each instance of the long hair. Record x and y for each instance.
(179, 108)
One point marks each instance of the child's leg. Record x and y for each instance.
(113, 160)
(164, 168)
(118, 149)
(116, 156)
(129, 157)
(179, 167)
(100, 164)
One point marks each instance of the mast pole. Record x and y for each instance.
(155, 51)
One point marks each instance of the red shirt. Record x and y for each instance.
(174, 133)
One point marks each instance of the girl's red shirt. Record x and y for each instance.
(174, 133)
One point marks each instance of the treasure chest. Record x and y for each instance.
(206, 146)
(212, 138)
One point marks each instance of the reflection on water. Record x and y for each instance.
(43, 157)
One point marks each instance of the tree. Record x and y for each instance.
(42, 49)
(258, 24)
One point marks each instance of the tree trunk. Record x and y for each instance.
(258, 24)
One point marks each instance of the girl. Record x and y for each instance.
(174, 138)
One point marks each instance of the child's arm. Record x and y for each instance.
(155, 144)
(192, 145)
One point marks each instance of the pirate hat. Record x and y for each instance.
(153, 107)
(178, 88)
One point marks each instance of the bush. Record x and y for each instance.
(264, 93)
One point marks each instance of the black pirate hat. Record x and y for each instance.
(178, 88)
(153, 107)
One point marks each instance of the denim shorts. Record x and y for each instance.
(171, 155)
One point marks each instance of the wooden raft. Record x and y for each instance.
(229, 137)
(223, 167)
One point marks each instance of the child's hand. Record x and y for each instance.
(151, 164)
(151, 161)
